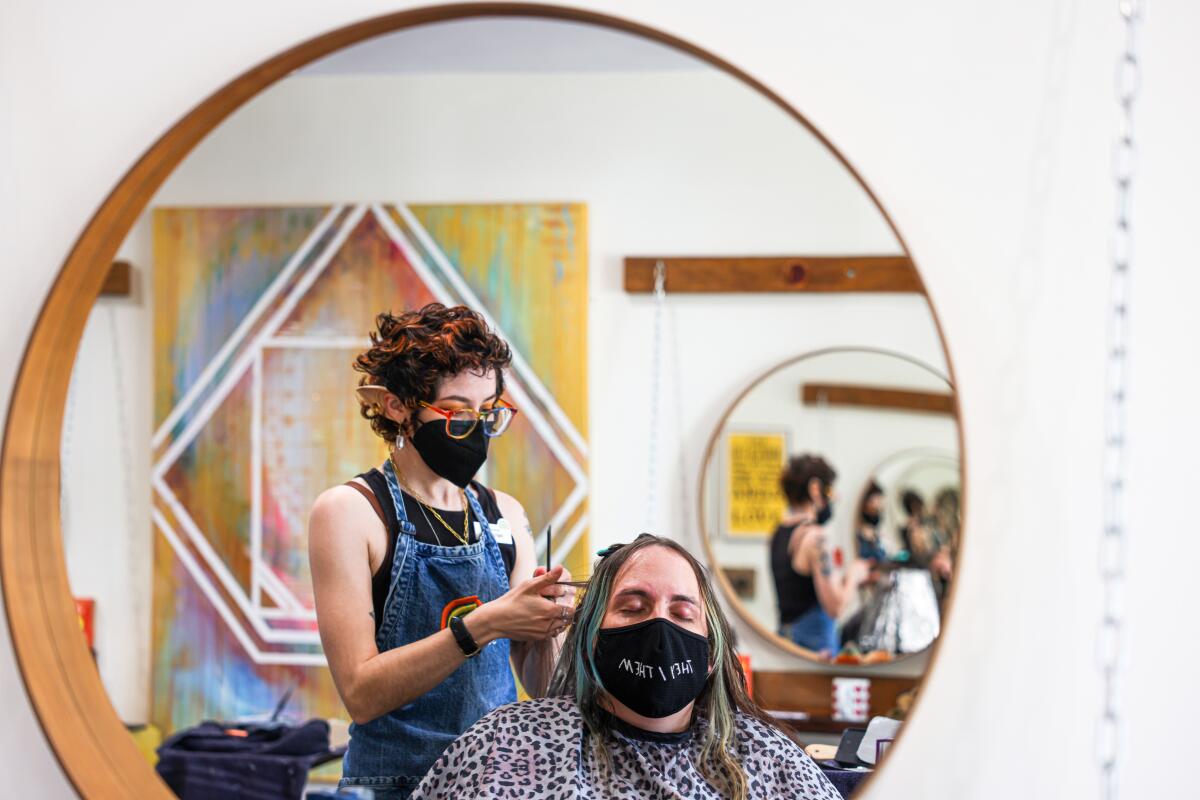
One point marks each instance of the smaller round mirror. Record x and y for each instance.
(831, 499)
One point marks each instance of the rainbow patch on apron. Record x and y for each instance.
(459, 607)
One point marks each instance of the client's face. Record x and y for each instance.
(656, 582)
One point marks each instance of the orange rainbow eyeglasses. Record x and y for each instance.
(461, 422)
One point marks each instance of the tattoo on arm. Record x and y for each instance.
(826, 563)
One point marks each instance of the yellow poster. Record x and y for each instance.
(755, 501)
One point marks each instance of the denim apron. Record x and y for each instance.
(814, 629)
(429, 582)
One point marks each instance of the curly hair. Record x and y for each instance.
(412, 352)
(799, 472)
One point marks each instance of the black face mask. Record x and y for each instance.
(871, 519)
(456, 460)
(825, 514)
(653, 667)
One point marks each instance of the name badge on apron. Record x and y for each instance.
(501, 530)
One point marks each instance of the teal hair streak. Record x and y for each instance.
(587, 679)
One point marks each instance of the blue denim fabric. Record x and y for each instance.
(813, 629)
(391, 753)
(868, 549)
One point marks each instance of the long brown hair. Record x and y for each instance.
(724, 694)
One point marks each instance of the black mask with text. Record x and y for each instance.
(871, 519)
(825, 514)
(456, 460)
(653, 667)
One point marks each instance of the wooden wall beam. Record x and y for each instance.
(775, 274)
(840, 394)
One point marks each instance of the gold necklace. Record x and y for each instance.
(465, 536)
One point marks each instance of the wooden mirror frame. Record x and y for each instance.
(96, 753)
(731, 598)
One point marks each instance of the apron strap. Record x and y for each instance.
(371, 498)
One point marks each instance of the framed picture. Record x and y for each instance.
(752, 461)
(743, 580)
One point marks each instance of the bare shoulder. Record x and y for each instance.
(341, 516)
(510, 508)
(339, 500)
(816, 540)
(809, 538)
(522, 540)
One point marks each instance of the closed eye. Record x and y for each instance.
(684, 611)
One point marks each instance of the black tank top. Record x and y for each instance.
(424, 532)
(797, 593)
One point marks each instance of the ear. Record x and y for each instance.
(385, 403)
(371, 394)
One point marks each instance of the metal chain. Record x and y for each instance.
(125, 439)
(66, 454)
(660, 296)
(1113, 539)
(679, 405)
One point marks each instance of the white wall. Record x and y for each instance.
(985, 129)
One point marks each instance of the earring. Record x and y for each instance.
(398, 444)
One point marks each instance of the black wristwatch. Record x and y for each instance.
(466, 642)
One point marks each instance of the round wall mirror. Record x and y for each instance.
(541, 166)
(831, 505)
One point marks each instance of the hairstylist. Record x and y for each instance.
(811, 595)
(412, 563)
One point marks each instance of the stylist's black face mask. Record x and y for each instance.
(653, 667)
(826, 513)
(456, 460)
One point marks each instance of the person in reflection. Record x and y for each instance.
(867, 526)
(928, 547)
(947, 511)
(811, 594)
(426, 592)
(647, 700)
(869, 546)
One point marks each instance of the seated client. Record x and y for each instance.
(648, 700)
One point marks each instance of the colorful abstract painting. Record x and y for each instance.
(258, 313)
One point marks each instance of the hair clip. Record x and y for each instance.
(608, 551)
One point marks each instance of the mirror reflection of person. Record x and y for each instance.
(868, 526)
(648, 701)
(426, 592)
(947, 510)
(927, 546)
(811, 595)
(868, 544)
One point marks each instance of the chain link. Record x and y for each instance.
(656, 344)
(1113, 539)
(66, 454)
(124, 430)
